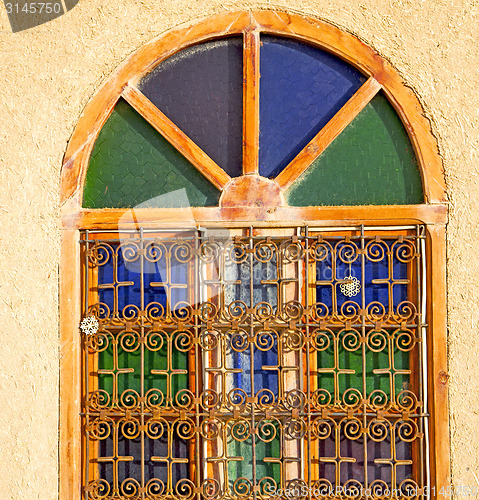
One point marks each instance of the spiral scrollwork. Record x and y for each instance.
(265, 251)
(294, 428)
(238, 340)
(100, 254)
(267, 430)
(376, 250)
(155, 489)
(240, 430)
(181, 252)
(154, 251)
(211, 429)
(352, 428)
(265, 340)
(406, 430)
(157, 428)
(242, 487)
(129, 341)
(408, 488)
(379, 430)
(210, 399)
(404, 251)
(130, 488)
(211, 488)
(129, 251)
(321, 398)
(235, 252)
(320, 251)
(183, 340)
(154, 398)
(347, 252)
(99, 489)
(292, 251)
(185, 489)
(209, 339)
(322, 428)
(101, 429)
(352, 488)
(130, 429)
(184, 399)
(237, 398)
(266, 399)
(130, 399)
(155, 311)
(184, 429)
(377, 341)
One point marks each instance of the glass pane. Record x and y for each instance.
(132, 163)
(301, 89)
(372, 162)
(201, 90)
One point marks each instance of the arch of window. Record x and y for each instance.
(262, 120)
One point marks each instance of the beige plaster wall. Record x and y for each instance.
(47, 76)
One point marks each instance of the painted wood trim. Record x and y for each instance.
(70, 479)
(277, 216)
(176, 137)
(437, 360)
(306, 29)
(328, 133)
(251, 51)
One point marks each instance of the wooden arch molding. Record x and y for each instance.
(381, 75)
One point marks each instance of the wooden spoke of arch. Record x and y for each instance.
(176, 137)
(251, 101)
(328, 133)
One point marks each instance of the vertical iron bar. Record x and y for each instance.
(308, 361)
(86, 291)
(142, 361)
(363, 348)
(251, 332)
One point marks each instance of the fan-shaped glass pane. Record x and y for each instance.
(201, 90)
(372, 162)
(301, 89)
(132, 163)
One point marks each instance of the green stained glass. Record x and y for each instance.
(170, 381)
(372, 162)
(350, 371)
(132, 163)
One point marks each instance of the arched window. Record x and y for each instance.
(254, 246)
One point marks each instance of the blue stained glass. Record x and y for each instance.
(128, 283)
(301, 89)
(267, 355)
(373, 271)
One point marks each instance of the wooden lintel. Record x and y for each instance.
(109, 218)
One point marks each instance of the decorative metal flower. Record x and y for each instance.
(89, 325)
(351, 288)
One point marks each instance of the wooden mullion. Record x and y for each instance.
(176, 137)
(328, 133)
(251, 47)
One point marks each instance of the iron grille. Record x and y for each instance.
(255, 363)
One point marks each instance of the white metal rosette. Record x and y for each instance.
(352, 287)
(89, 325)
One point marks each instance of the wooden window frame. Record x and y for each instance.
(266, 207)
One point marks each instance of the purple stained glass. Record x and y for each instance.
(201, 90)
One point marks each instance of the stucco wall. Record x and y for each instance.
(47, 76)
